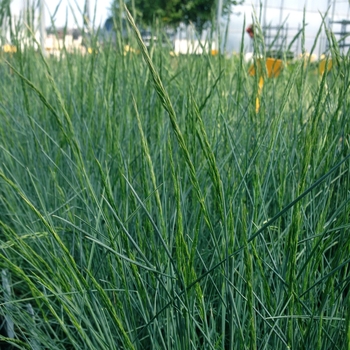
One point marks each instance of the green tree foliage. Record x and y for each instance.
(172, 12)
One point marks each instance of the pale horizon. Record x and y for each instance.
(66, 9)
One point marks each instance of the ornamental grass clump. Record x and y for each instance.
(146, 204)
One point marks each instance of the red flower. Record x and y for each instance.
(250, 31)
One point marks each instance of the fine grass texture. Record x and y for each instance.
(146, 204)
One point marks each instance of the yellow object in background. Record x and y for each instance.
(90, 50)
(273, 69)
(129, 49)
(323, 64)
(9, 48)
(257, 100)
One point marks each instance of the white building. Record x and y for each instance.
(273, 13)
(28, 18)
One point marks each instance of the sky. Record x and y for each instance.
(66, 7)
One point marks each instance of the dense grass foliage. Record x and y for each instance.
(144, 204)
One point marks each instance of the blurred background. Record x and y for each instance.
(282, 17)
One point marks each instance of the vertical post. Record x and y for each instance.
(264, 20)
(281, 12)
(87, 13)
(333, 10)
(42, 27)
(282, 31)
(219, 14)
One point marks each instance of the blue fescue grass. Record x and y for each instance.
(145, 204)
